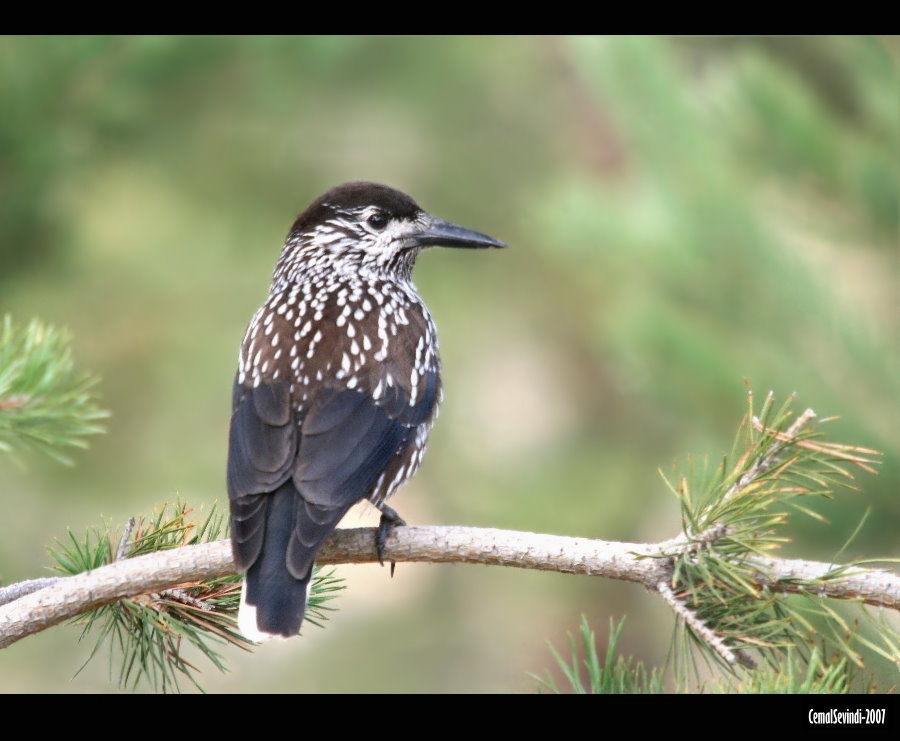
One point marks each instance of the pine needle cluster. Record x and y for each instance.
(44, 403)
(149, 636)
(721, 582)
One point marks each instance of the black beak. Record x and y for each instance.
(440, 233)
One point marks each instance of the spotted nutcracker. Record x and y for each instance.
(338, 385)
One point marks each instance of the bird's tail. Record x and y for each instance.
(276, 586)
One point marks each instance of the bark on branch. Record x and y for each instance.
(49, 602)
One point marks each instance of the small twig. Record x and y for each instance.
(20, 589)
(791, 433)
(179, 595)
(758, 468)
(854, 454)
(702, 630)
(125, 540)
(683, 544)
(765, 461)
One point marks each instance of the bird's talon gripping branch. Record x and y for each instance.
(389, 520)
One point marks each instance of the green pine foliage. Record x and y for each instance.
(739, 511)
(148, 638)
(44, 403)
(586, 672)
(752, 638)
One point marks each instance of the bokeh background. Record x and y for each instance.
(682, 214)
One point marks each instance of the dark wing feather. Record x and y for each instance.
(262, 445)
(347, 441)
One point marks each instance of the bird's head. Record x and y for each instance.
(368, 228)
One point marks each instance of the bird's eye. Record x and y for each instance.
(378, 221)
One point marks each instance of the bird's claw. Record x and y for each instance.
(389, 520)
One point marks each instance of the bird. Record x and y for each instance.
(337, 388)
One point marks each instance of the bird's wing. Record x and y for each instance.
(347, 441)
(262, 448)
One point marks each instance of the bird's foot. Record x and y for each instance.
(389, 520)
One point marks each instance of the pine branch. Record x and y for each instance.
(733, 519)
(157, 582)
(634, 562)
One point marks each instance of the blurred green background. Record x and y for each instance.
(682, 214)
